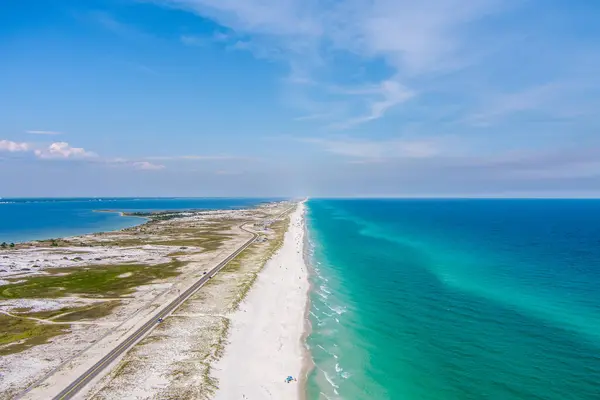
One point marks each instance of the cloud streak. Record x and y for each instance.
(376, 151)
(413, 39)
(147, 166)
(34, 132)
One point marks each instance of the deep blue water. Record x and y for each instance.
(455, 299)
(32, 219)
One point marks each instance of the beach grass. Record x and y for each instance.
(208, 242)
(209, 239)
(91, 312)
(19, 334)
(101, 281)
(249, 255)
(49, 314)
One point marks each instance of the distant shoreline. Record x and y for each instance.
(25, 220)
(122, 214)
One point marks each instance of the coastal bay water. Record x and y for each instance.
(40, 218)
(454, 299)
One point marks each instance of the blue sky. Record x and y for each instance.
(300, 97)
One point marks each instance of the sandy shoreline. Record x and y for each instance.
(159, 259)
(266, 339)
(308, 363)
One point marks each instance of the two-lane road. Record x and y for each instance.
(91, 373)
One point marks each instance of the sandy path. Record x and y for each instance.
(266, 333)
(47, 321)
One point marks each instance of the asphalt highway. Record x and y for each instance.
(88, 375)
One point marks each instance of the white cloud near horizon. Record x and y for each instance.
(378, 150)
(13, 147)
(62, 150)
(193, 157)
(148, 166)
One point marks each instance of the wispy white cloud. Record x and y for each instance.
(205, 40)
(111, 23)
(194, 40)
(148, 166)
(499, 106)
(312, 117)
(413, 38)
(285, 17)
(13, 147)
(557, 99)
(34, 132)
(62, 150)
(378, 150)
(388, 93)
(194, 158)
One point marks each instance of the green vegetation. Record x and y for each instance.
(208, 242)
(279, 227)
(106, 281)
(19, 334)
(41, 314)
(93, 311)
(120, 368)
(208, 236)
(159, 215)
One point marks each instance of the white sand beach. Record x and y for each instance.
(266, 335)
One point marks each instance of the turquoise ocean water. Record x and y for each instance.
(32, 219)
(455, 299)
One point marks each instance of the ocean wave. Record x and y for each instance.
(324, 289)
(322, 295)
(327, 351)
(340, 371)
(337, 309)
(331, 382)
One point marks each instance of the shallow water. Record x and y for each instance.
(33, 219)
(455, 299)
